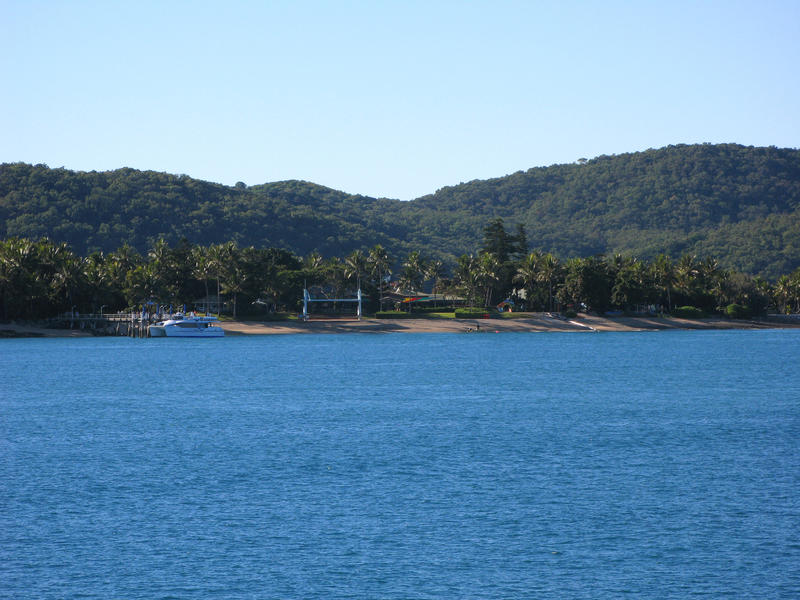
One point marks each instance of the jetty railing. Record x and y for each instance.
(135, 324)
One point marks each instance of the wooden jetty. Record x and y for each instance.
(134, 325)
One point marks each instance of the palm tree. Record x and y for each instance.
(528, 275)
(467, 276)
(713, 278)
(378, 260)
(435, 271)
(202, 267)
(217, 258)
(141, 282)
(355, 265)
(124, 259)
(794, 279)
(163, 268)
(413, 273)
(159, 255)
(314, 261)
(630, 288)
(231, 273)
(67, 271)
(126, 256)
(587, 281)
(69, 276)
(100, 281)
(786, 292)
(664, 276)
(234, 275)
(489, 271)
(782, 293)
(7, 268)
(21, 276)
(549, 271)
(313, 269)
(335, 278)
(686, 273)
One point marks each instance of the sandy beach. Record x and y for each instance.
(583, 323)
(534, 323)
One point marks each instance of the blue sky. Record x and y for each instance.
(388, 99)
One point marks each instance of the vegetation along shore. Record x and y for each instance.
(683, 232)
(739, 204)
(504, 286)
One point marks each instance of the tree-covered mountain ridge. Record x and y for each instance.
(737, 203)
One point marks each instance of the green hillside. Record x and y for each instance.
(739, 204)
(101, 211)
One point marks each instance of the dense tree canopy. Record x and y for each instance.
(43, 278)
(739, 204)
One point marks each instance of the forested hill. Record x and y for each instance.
(739, 204)
(102, 211)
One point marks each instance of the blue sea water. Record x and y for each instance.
(559, 465)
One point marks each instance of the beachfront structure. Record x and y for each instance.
(402, 300)
(307, 299)
(210, 304)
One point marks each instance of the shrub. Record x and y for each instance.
(395, 314)
(430, 309)
(570, 314)
(687, 312)
(472, 313)
(737, 311)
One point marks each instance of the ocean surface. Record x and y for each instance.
(548, 465)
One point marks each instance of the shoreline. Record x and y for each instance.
(537, 324)
(532, 324)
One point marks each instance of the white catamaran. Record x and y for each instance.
(187, 326)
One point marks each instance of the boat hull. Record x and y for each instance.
(194, 332)
(191, 326)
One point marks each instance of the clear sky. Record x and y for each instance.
(388, 98)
